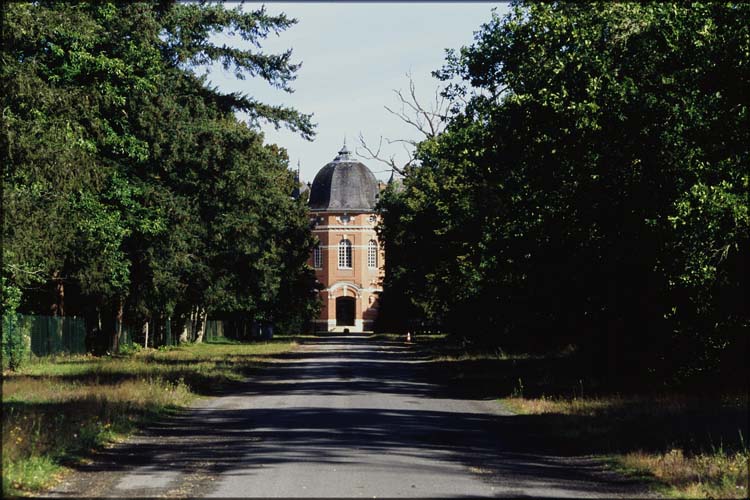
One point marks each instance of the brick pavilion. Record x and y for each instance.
(348, 260)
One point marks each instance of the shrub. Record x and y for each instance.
(16, 341)
(130, 348)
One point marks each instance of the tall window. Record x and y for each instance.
(317, 258)
(372, 254)
(345, 254)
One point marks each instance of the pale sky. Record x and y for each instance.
(353, 55)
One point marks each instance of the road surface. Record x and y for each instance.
(339, 417)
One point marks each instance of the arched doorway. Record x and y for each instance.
(345, 311)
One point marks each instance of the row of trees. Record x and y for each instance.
(591, 188)
(131, 192)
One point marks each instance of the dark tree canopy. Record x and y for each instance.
(130, 188)
(592, 191)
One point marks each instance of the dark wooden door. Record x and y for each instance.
(345, 311)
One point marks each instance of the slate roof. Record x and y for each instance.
(344, 184)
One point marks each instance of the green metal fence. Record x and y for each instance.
(169, 337)
(48, 335)
(126, 334)
(214, 330)
(160, 333)
(52, 334)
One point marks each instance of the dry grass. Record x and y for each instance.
(715, 475)
(688, 444)
(711, 472)
(635, 406)
(479, 356)
(34, 425)
(56, 410)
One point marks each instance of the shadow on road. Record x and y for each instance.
(224, 440)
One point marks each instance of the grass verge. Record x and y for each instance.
(683, 444)
(636, 435)
(56, 410)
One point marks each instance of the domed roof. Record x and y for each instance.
(344, 184)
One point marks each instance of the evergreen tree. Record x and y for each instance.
(131, 190)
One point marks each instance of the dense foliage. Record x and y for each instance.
(131, 192)
(591, 189)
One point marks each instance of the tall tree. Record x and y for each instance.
(594, 189)
(116, 150)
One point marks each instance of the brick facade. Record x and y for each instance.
(360, 283)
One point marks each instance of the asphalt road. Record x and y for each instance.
(340, 417)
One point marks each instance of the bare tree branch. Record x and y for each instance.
(376, 155)
(405, 141)
(429, 122)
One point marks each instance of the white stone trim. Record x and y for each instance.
(348, 211)
(327, 321)
(344, 284)
(330, 324)
(370, 290)
(336, 246)
(360, 325)
(342, 227)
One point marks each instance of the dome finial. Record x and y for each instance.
(344, 154)
(344, 149)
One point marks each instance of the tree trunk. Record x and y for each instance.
(201, 326)
(58, 300)
(193, 322)
(182, 319)
(118, 326)
(180, 323)
(90, 317)
(187, 324)
(57, 310)
(145, 334)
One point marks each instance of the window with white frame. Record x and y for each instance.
(317, 258)
(345, 254)
(372, 254)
